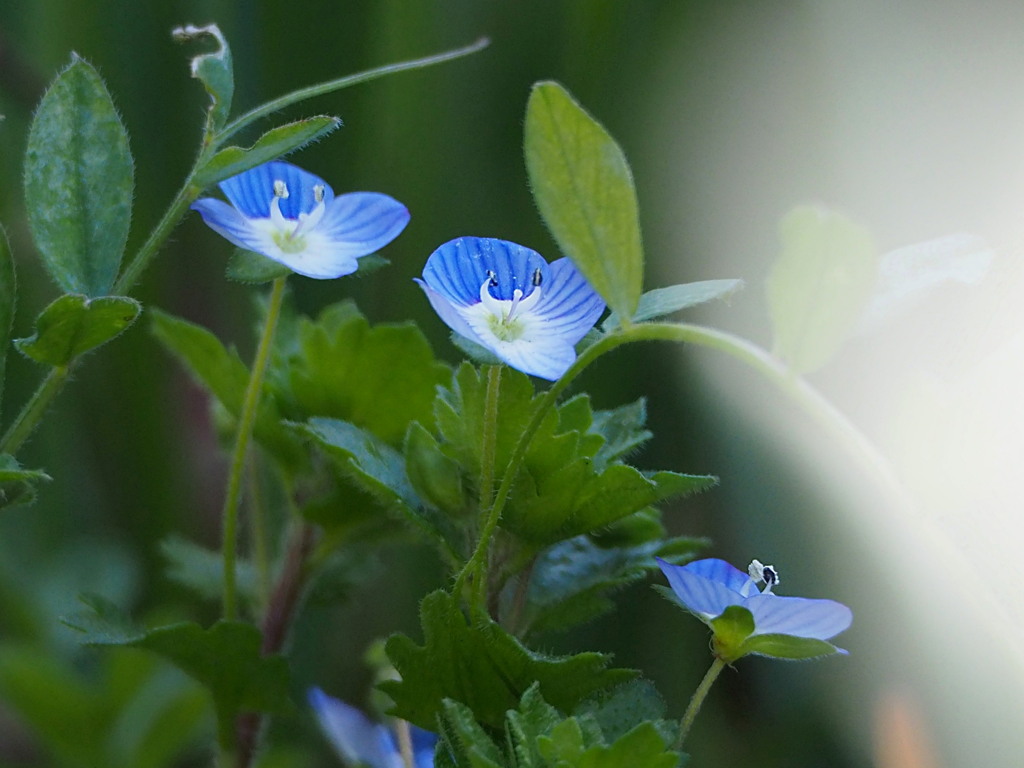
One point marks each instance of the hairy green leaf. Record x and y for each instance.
(583, 187)
(225, 658)
(74, 324)
(819, 285)
(79, 182)
(480, 665)
(273, 144)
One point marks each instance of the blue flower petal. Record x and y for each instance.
(798, 616)
(229, 224)
(569, 306)
(547, 358)
(448, 311)
(361, 223)
(701, 585)
(252, 191)
(356, 738)
(719, 570)
(458, 268)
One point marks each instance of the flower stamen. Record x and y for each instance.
(763, 573)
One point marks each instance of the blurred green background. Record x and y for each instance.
(729, 113)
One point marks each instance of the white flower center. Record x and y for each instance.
(763, 573)
(505, 316)
(289, 234)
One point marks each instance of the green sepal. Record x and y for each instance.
(8, 302)
(79, 182)
(819, 285)
(583, 187)
(75, 324)
(480, 665)
(664, 301)
(225, 658)
(788, 647)
(17, 485)
(435, 476)
(255, 268)
(214, 70)
(731, 630)
(478, 353)
(272, 145)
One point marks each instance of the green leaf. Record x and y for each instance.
(664, 301)
(11, 471)
(8, 301)
(74, 324)
(435, 476)
(213, 69)
(643, 746)
(819, 285)
(226, 377)
(202, 570)
(621, 709)
(571, 581)
(483, 667)
(584, 189)
(788, 647)
(225, 658)
(465, 740)
(623, 430)
(534, 718)
(378, 469)
(273, 144)
(380, 378)
(79, 182)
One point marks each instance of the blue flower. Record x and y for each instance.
(505, 297)
(784, 627)
(359, 741)
(293, 217)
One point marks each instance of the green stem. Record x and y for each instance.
(175, 211)
(246, 422)
(33, 410)
(489, 430)
(342, 82)
(697, 700)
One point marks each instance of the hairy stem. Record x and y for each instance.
(246, 422)
(30, 415)
(489, 431)
(342, 82)
(697, 700)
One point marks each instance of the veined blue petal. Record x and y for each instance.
(546, 358)
(450, 313)
(569, 306)
(356, 738)
(361, 223)
(699, 589)
(458, 268)
(251, 191)
(719, 570)
(798, 616)
(230, 224)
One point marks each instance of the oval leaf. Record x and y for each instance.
(79, 181)
(74, 324)
(819, 285)
(213, 69)
(584, 190)
(8, 297)
(276, 142)
(665, 301)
